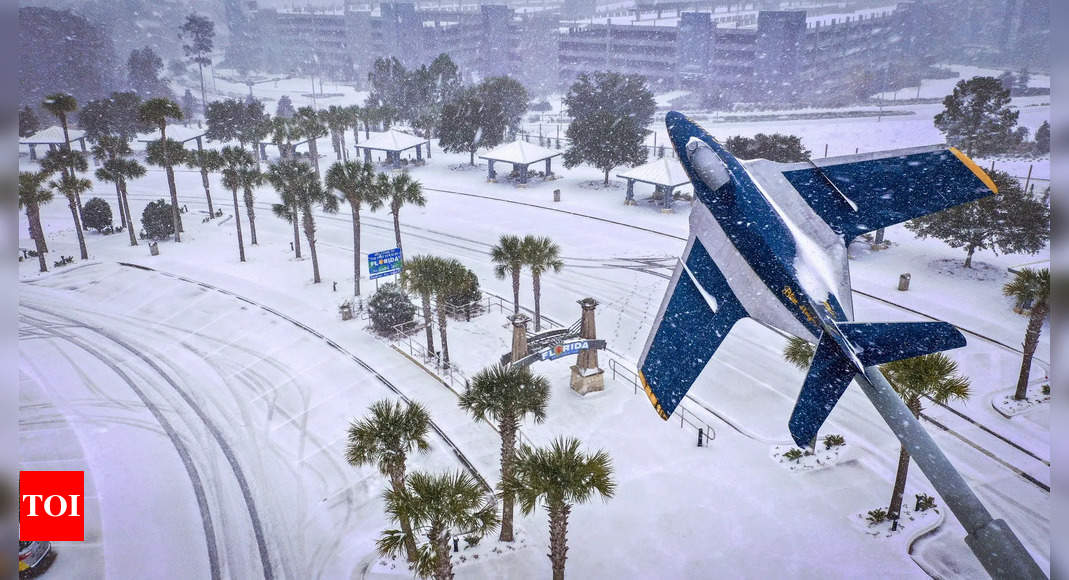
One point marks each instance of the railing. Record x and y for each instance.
(693, 420)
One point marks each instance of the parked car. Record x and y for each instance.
(34, 558)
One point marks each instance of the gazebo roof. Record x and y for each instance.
(519, 153)
(391, 140)
(51, 136)
(663, 171)
(179, 133)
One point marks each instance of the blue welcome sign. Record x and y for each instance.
(384, 263)
(565, 349)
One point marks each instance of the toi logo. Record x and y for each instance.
(51, 506)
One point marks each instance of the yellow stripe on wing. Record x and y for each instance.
(652, 397)
(975, 169)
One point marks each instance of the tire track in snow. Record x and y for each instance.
(228, 452)
(172, 434)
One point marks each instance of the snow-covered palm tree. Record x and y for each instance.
(384, 438)
(355, 182)
(1030, 287)
(505, 395)
(559, 476)
(32, 195)
(542, 255)
(509, 257)
(301, 192)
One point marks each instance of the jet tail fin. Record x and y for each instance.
(832, 369)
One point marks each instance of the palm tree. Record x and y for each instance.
(60, 104)
(32, 195)
(300, 191)
(932, 375)
(506, 394)
(509, 257)
(107, 149)
(355, 181)
(560, 476)
(384, 438)
(403, 190)
(452, 277)
(1030, 287)
(156, 112)
(420, 275)
(436, 505)
(354, 114)
(542, 256)
(167, 154)
(72, 187)
(283, 132)
(127, 169)
(311, 128)
(337, 120)
(207, 161)
(238, 169)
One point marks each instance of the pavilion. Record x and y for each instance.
(521, 155)
(393, 142)
(178, 133)
(665, 174)
(53, 137)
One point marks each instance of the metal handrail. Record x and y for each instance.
(682, 409)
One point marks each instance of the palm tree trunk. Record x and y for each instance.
(126, 211)
(427, 321)
(207, 191)
(515, 290)
(1031, 341)
(441, 330)
(237, 224)
(507, 427)
(895, 508)
(397, 481)
(81, 216)
(536, 282)
(313, 149)
(296, 232)
(356, 248)
(70, 168)
(558, 538)
(251, 213)
(443, 569)
(33, 215)
(397, 226)
(344, 147)
(310, 235)
(174, 205)
(73, 203)
(118, 195)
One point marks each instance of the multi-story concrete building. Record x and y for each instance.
(342, 44)
(764, 56)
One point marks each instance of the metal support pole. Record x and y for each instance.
(991, 540)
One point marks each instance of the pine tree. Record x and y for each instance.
(115, 116)
(143, 71)
(462, 124)
(774, 147)
(1043, 138)
(610, 113)
(978, 116)
(28, 122)
(189, 105)
(199, 34)
(507, 97)
(1010, 222)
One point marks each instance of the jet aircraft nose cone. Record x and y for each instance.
(680, 130)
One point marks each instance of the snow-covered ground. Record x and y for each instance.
(249, 396)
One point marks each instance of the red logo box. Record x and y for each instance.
(52, 506)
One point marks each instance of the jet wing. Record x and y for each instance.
(856, 194)
(696, 315)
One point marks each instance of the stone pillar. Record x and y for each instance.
(523, 174)
(630, 199)
(586, 376)
(519, 336)
(549, 168)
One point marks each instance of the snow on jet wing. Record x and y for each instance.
(696, 314)
(888, 187)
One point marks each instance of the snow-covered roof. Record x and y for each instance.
(519, 152)
(391, 140)
(51, 136)
(663, 171)
(179, 133)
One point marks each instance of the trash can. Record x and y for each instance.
(154, 249)
(556, 195)
(903, 282)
